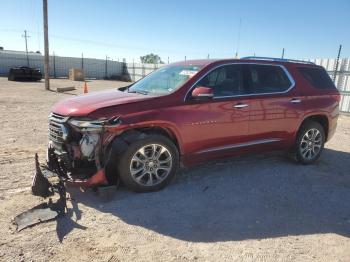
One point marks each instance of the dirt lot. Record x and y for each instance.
(255, 208)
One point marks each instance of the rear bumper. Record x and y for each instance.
(332, 127)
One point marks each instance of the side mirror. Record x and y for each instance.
(202, 93)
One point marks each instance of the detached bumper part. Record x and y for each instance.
(45, 211)
(40, 184)
(36, 215)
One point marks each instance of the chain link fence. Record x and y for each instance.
(136, 71)
(341, 79)
(60, 65)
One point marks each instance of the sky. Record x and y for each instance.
(178, 28)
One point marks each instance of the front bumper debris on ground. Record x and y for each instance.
(42, 187)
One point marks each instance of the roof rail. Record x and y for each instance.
(277, 59)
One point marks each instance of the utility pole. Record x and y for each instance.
(283, 53)
(25, 38)
(46, 44)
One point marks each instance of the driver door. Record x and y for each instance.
(217, 125)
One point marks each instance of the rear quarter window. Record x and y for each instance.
(317, 77)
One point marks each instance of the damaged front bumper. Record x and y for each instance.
(41, 186)
(77, 156)
(78, 150)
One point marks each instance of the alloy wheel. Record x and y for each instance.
(311, 144)
(151, 164)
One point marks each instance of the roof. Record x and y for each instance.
(251, 59)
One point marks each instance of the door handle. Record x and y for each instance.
(240, 105)
(295, 100)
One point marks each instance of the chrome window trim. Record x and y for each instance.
(239, 145)
(291, 79)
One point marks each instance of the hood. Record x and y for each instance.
(85, 104)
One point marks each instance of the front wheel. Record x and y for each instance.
(148, 164)
(310, 142)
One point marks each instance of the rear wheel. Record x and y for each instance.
(148, 164)
(310, 142)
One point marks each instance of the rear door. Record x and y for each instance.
(275, 104)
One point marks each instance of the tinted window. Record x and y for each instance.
(225, 81)
(317, 77)
(267, 79)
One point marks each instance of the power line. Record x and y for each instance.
(125, 47)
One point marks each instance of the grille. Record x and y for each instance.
(57, 130)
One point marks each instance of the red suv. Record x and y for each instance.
(190, 112)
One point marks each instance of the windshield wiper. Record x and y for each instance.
(142, 92)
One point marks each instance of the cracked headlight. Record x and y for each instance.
(89, 125)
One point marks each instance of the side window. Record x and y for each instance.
(267, 79)
(225, 81)
(317, 77)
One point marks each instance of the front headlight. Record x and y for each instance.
(87, 125)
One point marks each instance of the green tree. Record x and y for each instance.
(151, 59)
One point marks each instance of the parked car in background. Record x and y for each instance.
(24, 73)
(191, 112)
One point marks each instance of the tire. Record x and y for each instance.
(140, 172)
(310, 142)
(11, 77)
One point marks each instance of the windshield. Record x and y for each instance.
(165, 80)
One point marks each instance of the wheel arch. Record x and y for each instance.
(167, 132)
(321, 118)
(163, 130)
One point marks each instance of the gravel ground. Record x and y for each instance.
(253, 208)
